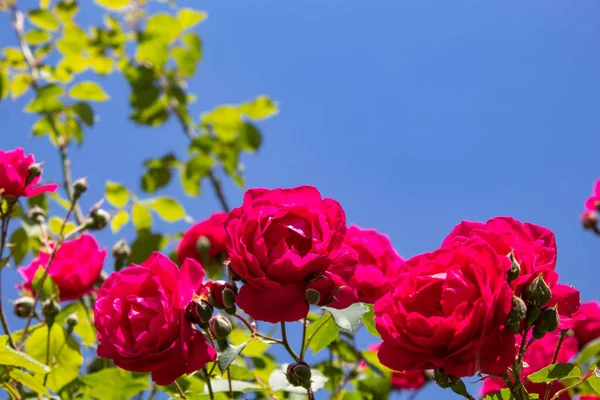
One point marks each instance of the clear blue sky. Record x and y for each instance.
(414, 115)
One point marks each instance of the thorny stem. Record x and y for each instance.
(563, 335)
(560, 392)
(286, 344)
(254, 332)
(181, 393)
(303, 348)
(208, 384)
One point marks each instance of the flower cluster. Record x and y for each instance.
(20, 175)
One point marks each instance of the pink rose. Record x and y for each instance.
(448, 310)
(378, 262)
(408, 380)
(212, 229)
(538, 356)
(590, 203)
(75, 268)
(587, 323)
(14, 173)
(141, 323)
(279, 241)
(534, 248)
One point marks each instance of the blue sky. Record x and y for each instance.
(414, 115)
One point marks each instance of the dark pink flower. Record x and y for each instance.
(75, 268)
(587, 323)
(378, 263)
(213, 229)
(141, 322)
(590, 203)
(14, 173)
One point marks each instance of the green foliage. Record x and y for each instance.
(229, 355)
(168, 209)
(88, 91)
(85, 328)
(116, 194)
(43, 19)
(368, 319)
(120, 219)
(29, 381)
(321, 333)
(142, 218)
(14, 358)
(349, 317)
(115, 384)
(46, 286)
(555, 372)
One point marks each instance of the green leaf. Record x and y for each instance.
(20, 245)
(85, 327)
(168, 209)
(43, 19)
(225, 121)
(194, 171)
(116, 194)
(250, 137)
(142, 218)
(46, 100)
(65, 357)
(84, 112)
(29, 381)
(460, 389)
(589, 352)
(102, 65)
(37, 36)
(193, 43)
(503, 394)
(4, 84)
(156, 178)
(115, 384)
(278, 381)
(144, 245)
(55, 225)
(189, 17)
(349, 317)
(66, 10)
(153, 52)
(260, 108)
(19, 85)
(229, 355)
(163, 26)
(321, 333)
(88, 90)
(64, 203)
(119, 220)
(48, 288)
(14, 358)
(368, 320)
(555, 372)
(594, 382)
(186, 61)
(113, 5)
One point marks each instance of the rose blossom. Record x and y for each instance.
(401, 380)
(378, 262)
(141, 323)
(538, 356)
(279, 241)
(587, 323)
(590, 203)
(75, 268)
(212, 229)
(449, 310)
(534, 248)
(14, 172)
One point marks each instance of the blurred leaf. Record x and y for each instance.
(66, 10)
(144, 245)
(115, 384)
(4, 84)
(88, 90)
(142, 218)
(152, 51)
(554, 372)
(116, 194)
(55, 225)
(163, 26)
(19, 85)
(349, 317)
(65, 356)
(194, 171)
(20, 245)
(84, 328)
(12, 357)
(503, 394)
(37, 36)
(321, 333)
(588, 352)
(260, 108)
(186, 61)
(155, 178)
(154, 115)
(119, 220)
(43, 19)
(46, 100)
(64, 203)
(194, 44)
(189, 17)
(368, 320)
(85, 113)
(39, 201)
(250, 137)
(113, 5)
(102, 65)
(48, 288)
(29, 381)
(229, 355)
(225, 121)
(168, 209)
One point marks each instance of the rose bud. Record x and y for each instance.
(37, 214)
(50, 309)
(98, 219)
(220, 327)
(22, 307)
(34, 171)
(518, 311)
(589, 220)
(80, 186)
(444, 381)
(299, 374)
(121, 250)
(320, 290)
(515, 268)
(72, 321)
(221, 294)
(537, 293)
(547, 322)
(199, 312)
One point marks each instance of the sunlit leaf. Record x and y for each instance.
(116, 194)
(46, 287)
(120, 219)
(43, 19)
(321, 333)
(19, 85)
(164, 26)
(115, 384)
(349, 317)
(554, 372)
(260, 108)
(141, 216)
(85, 326)
(168, 209)
(188, 17)
(29, 381)
(113, 5)
(11, 357)
(88, 90)
(229, 355)
(37, 36)
(85, 113)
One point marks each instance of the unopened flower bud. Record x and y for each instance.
(199, 312)
(50, 309)
(203, 246)
(321, 290)
(220, 294)
(80, 186)
(515, 268)
(537, 293)
(22, 307)
(547, 322)
(312, 296)
(98, 219)
(34, 171)
(37, 215)
(518, 311)
(72, 321)
(220, 327)
(444, 381)
(589, 220)
(299, 374)
(532, 316)
(121, 250)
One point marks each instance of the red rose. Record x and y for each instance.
(587, 323)
(408, 380)
(75, 268)
(15, 177)
(378, 262)
(213, 230)
(590, 203)
(449, 310)
(141, 323)
(538, 356)
(279, 241)
(534, 248)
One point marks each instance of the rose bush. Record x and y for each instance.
(18, 178)
(279, 241)
(140, 318)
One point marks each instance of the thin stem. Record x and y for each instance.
(254, 332)
(4, 234)
(286, 344)
(229, 383)
(208, 384)
(303, 348)
(310, 393)
(179, 390)
(317, 330)
(47, 353)
(152, 392)
(563, 335)
(62, 346)
(560, 392)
